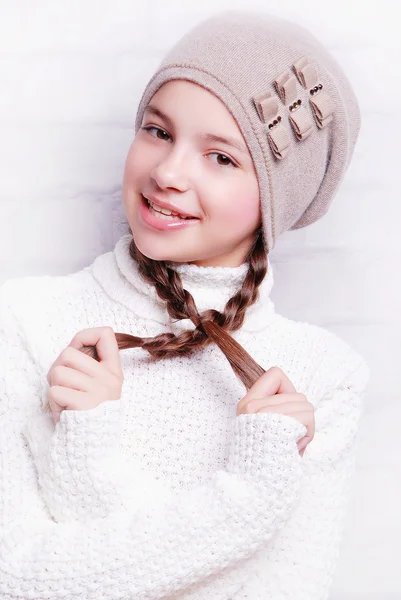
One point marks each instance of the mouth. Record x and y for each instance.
(165, 213)
(162, 219)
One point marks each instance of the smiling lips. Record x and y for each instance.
(166, 208)
(165, 213)
(161, 218)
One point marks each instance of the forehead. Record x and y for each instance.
(186, 97)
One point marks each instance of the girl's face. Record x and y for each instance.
(178, 161)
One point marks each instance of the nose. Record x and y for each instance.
(172, 171)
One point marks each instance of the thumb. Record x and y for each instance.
(273, 381)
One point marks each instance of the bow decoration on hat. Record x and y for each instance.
(301, 122)
(321, 103)
(323, 109)
(286, 86)
(267, 107)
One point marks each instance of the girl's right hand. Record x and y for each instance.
(80, 382)
(274, 392)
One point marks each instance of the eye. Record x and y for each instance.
(162, 131)
(224, 164)
(157, 129)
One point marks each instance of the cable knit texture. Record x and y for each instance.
(166, 493)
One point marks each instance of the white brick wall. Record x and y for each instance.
(71, 75)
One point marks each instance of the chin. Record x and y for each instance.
(156, 252)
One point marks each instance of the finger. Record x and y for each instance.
(55, 410)
(255, 404)
(306, 417)
(77, 360)
(274, 381)
(286, 408)
(70, 378)
(106, 345)
(65, 398)
(302, 443)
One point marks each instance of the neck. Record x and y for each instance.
(235, 258)
(211, 287)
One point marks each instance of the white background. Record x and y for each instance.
(71, 76)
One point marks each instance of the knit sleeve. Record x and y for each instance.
(150, 553)
(82, 471)
(302, 561)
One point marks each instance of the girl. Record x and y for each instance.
(177, 468)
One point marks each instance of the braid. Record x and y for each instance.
(181, 305)
(210, 326)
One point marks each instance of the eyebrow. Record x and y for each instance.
(209, 137)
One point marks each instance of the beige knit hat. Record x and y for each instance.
(291, 100)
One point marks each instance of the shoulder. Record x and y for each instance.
(37, 295)
(44, 310)
(316, 359)
(335, 361)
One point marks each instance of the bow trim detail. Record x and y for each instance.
(306, 72)
(278, 138)
(266, 105)
(321, 102)
(286, 86)
(279, 141)
(323, 109)
(301, 123)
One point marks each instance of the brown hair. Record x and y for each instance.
(210, 326)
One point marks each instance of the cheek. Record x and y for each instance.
(136, 162)
(240, 212)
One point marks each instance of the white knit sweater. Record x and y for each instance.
(166, 493)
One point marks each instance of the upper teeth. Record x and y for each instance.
(165, 211)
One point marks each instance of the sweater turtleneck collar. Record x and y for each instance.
(211, 287)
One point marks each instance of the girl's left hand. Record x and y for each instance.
(274, 392)
(78, 381)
